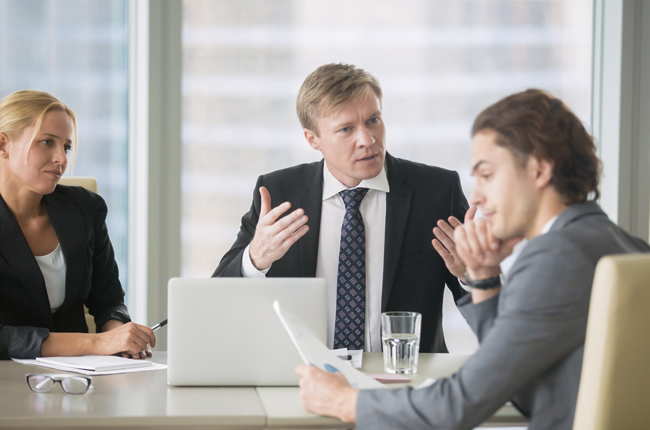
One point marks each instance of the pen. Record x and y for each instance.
(160, 324)
(345, 357)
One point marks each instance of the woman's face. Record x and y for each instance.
(41, 166)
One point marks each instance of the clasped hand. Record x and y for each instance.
(471, 247)
(274, 237)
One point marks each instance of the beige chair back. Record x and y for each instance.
(91, 185)
(615, 382)
(82, 181)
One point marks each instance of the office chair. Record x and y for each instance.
(615, 381)
(91, 185)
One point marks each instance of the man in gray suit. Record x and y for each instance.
(537, 178)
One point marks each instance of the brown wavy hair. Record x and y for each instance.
(534, 123)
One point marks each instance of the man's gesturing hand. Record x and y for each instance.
(273, 238)
(445, 245)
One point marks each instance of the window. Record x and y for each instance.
(77, 51)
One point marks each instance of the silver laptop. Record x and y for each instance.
(224, 332)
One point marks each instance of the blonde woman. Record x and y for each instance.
(55, 253)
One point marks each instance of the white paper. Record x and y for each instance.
(357, 358)
(314, 353)
(153, 366)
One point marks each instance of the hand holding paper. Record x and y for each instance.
(327, 393)
(321, 392)
(313, 352)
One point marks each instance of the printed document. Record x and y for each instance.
(314, 353)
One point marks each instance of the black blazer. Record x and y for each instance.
(78, 217)
(414, 274)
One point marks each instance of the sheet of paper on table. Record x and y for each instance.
(312, 351)
(89, 361)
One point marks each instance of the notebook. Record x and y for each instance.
(98, 363)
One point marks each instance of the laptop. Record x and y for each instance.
(224, 331)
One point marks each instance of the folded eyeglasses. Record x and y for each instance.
(71, 384)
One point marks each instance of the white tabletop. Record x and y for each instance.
(284, 410)
(144, 400)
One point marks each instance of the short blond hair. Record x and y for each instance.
(27, 108)
(329, 87)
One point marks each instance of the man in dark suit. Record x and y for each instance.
(364, 219)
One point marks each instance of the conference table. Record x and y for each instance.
(143, 400)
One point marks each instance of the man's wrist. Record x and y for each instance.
(482, 273)
(348, 406)
(484, 284)
(259, 266)
(248, 269)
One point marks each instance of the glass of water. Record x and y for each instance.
(400, 336)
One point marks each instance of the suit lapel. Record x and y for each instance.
(398, 205)
(311, 201)
(70, 229)
(15, 249)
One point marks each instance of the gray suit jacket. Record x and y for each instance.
(532, 337)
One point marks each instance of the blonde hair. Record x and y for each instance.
(328, 88)
(27, 108)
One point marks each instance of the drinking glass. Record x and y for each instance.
(400, 336)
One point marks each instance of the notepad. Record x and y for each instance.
(97, 363)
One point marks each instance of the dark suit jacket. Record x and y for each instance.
(414, 274)
(78, 217)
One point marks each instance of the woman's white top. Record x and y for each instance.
(53, 268)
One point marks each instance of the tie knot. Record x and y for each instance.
(352, 198)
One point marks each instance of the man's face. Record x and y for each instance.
(505, 191)
(352, 140)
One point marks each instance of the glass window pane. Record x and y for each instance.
(77, 51)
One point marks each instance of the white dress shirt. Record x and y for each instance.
(548, 225)
(373, 211)
(53, 269)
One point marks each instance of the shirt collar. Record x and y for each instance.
(332, 186)
(548, 225)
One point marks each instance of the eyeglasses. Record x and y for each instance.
(71, 384)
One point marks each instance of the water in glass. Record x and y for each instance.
(401, 353)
